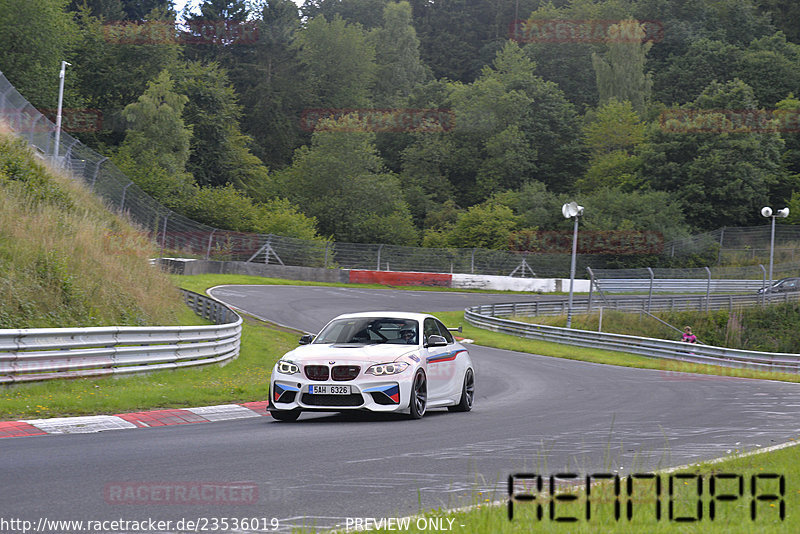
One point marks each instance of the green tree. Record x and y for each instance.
(340, 62)
(771, 66)
(108, 10)
(722, 178)
(785, 15)
(143, 9)
(642, 211)
(511, 127)
(34, 38)
(399, 67)
(156, 131)
(228, 208)
(569, 63)
(621, 71)
(272, 87)
(340, 181)
(487, 225)
(365, 12)
(684, 77)
(612, 135)
(111, 71)
(220, 152)
(787, 112)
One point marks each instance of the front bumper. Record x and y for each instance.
(290, 392)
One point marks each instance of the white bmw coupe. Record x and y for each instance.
(378, 361)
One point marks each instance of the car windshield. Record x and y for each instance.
(370, 330)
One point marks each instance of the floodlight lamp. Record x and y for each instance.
(571, 209)
(783, 213)
(766, 211)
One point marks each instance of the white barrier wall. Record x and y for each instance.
(508, 283)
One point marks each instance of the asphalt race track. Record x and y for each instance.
(532, 413)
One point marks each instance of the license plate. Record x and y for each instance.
(329, 390)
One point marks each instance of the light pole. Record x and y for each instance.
(767, 212)
(58, 113)
(572, 210)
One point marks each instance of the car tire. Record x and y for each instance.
(419, 395)
(285, 415)
(467, 394)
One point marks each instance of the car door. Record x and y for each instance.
(441, 362)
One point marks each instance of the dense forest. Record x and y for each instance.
(444, 123)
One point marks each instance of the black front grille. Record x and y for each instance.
(382, 398)
(317, 372)
(287, 396)
(345, 372)
(354, 399)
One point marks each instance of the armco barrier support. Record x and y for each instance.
(36, 354)
(486, 317)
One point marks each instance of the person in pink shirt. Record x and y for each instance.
(688, 337)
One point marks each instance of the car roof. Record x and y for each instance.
(389, 314)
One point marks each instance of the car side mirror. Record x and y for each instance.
(306, 339)
(436, 341)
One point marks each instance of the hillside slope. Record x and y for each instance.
(65, 260)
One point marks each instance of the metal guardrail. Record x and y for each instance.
(678, 285)
(487, 317)
(634, 304)
(36, 354)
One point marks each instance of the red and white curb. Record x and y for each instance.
(151, 418)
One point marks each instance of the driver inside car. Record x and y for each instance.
(407, 334)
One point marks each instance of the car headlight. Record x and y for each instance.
(387, 368)
(287, 368)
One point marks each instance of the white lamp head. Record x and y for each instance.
(571, 209)
(766, 212)
(782, 213)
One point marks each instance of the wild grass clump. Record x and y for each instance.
(65, 259)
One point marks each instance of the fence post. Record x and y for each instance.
(650, 293)
(96, 171)
(379, 257)
(327, 244)
(122, 200)
(164, 235)
(708, 288)
(591, 289)
(208, 248)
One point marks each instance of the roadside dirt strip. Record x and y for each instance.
(152, 418)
